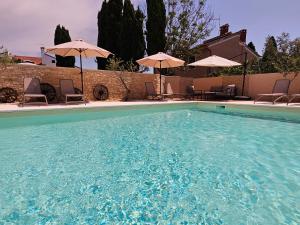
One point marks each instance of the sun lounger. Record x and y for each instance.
(68, 92)
(280, 91)
(293, 97)
(151, 92)
(32, 90)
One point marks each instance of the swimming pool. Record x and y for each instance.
(178, 164)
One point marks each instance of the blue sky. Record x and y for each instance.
(25, 26)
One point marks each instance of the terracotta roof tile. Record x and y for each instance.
(35, 60)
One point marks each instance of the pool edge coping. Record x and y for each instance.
(96, 105)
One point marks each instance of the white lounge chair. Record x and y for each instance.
(280, 91)
(67, 91)
(293, 97)
(32, 90)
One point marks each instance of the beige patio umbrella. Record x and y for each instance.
(160, 60)
(215, 61)
(78, 48)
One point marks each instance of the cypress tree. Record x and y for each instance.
(132, 38)
(109, 27)
(128, 32)
(102, 33)
(62, 36)
(156, 26)
(115, 8)
(252, 47)
(269, 61)
(141, 45)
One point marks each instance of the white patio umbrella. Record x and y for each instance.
(160, 60)
(78, 48)
(215, 61)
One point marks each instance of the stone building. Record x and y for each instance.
(45, 59)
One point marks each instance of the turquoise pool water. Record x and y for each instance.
(150, 165)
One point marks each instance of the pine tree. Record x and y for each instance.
(109, 28)
(62, 36)
(156, 26)
(269, 61)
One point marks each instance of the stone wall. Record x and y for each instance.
(13, 77)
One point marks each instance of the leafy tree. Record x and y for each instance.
(5, 58)
(288, 53)
(284, 63)
(117, 64)
(269, 62)
(109, 28)
(156, 26)
(295, 53)
(62, 36)
(283, 43)
(252, 68)
(188, 22)
(295, 48)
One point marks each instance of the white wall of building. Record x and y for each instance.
(47, 60)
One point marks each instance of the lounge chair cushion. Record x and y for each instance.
(34, 95)
(74, 95)
(274, 94)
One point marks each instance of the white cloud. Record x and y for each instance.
(26, 25)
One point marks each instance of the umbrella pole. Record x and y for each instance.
(81, 72)
(244, 74)
(160, 77)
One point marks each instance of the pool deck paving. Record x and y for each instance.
(16, 108)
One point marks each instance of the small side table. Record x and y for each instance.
(208, 94)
